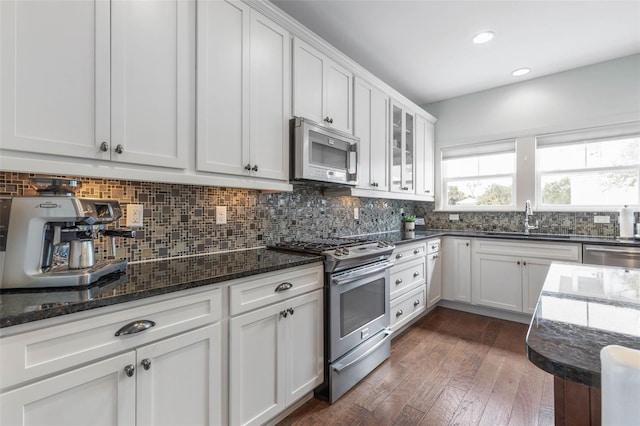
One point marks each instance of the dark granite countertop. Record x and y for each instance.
(583, 308)
(399, 237)
(145, 280)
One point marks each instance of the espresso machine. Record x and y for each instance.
(47, 240)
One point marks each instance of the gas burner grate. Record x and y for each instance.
(319, 245)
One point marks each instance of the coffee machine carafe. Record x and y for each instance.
(48, 240)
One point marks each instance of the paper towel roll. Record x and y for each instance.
(626, 222)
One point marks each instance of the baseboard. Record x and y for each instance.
(487, 312)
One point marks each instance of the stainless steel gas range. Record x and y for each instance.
(356, 314)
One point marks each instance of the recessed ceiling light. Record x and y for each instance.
(483, 37)
(520, 72)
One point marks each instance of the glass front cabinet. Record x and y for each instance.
(402, 148)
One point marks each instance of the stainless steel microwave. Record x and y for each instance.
(322, 154)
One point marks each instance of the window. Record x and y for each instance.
(590, 168)
(480, 176)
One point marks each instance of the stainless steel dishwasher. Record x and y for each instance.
(611, 255)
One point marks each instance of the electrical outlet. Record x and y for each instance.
(454, 217)
(135, 215)
(356, 213)
(602, 219)
(221, 215)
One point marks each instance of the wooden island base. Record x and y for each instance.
(576, 404)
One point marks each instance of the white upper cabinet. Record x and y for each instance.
(114, 85)
(54, 83)
(371, 110)
(322, 89)
(403, 145)
(424, 157)
(243, 92)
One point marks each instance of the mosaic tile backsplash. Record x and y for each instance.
(180, 219)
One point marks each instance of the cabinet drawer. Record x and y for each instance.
(407, 252)
(407, 307)
(83, 339)
(433, 246)
(266, 289)
(555, 251)
(407, 275)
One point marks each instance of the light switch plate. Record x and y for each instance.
(454, 217)
(221, 215)
(135, 215)
(356, 213)
(602, 219)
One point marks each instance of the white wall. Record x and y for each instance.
(594, 95)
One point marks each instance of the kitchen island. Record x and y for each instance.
(582, 308)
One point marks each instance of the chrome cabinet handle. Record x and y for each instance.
(119, 149)
(399, 313)
(247, 167)
(399, 256)
(416, 251)
(399, 281)
(255, 168)
(129, 370)
(416, 274)
(135, 327)
(284, 313)
(416, 303)
(328, 120)
(146, 363)
(104, 147)
(291, 311)
(283, 287)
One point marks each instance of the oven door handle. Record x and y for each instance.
(359, 274)
(339, 367)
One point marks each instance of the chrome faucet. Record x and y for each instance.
(528, 212)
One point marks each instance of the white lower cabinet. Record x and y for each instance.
(510, 275)
(408, 293)
(434, 273)
(456, 269)
(276, 357)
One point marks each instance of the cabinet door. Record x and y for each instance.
(182, 384)
(338, 96)
(98, 394)
(461, 278)
(152, 49)
(55, 77)
(534, 272)
(497, 281)
(370, 125)
(269, 85)
(222, 72)
(434, 283)
(304, 345)
(256, 366)
(402, 149)
(308, 82)
(424, 157)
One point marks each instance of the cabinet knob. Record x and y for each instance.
(427, 190)
(405, 188)
(518, 262)
(416, 274)
(467, 244)
(284, 314)
(146, 363)
(119, 149)
(524, 263)
(416, 251)
(255, 168)
(399, 256)
(435, 256)
(399, 313)
(399, 281)
(328, 120)
(247, 167)
(290, 310)
(104, 147)
(129, 370)
(417, 302)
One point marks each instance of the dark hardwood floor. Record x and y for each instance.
(450, 368)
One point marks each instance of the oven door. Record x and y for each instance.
(358, 306)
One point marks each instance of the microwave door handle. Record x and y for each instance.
(353, 159)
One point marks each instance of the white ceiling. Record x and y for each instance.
(423, 48)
